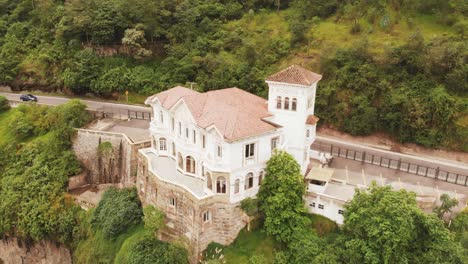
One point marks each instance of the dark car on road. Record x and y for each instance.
(28, 97)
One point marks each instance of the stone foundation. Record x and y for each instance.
(186, 219)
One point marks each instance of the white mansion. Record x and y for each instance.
(210, 150)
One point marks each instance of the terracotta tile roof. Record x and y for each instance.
(234, 112)
(312, 120)
(295, 74)
(169, 97)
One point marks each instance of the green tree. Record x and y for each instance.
(83, 69)
(134, 39)
(386, 226)
(446, 205)
(281, 197)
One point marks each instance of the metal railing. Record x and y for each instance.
(390, 163)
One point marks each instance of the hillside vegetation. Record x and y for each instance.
(397, 66)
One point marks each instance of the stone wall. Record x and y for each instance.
(118, 167)
(186, 218)
(14, 252)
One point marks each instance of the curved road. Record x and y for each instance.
(115, 108)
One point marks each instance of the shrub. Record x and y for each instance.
(250, 206)
(4, 105)
(117, 211)
(151, 250)
(20, 125)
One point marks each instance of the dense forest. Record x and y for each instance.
(396, 66)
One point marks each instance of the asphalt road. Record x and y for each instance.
(115, 108)
(322, 144)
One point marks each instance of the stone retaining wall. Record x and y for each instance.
(119, 167)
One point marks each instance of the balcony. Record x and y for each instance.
(165, 168)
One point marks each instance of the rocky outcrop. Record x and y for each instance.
(13, 251)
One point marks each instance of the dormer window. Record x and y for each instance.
(286, 103)
(278, 102)
(294, 104)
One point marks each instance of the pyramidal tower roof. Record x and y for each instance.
(295, 74)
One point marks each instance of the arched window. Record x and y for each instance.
(278, 102)
(294, 104)
(162, 144)
(189, 164)
(260, 178)
(173, 149)
(249, 180)
(209, 185)
(221, 185)
(286, 103)
(236, 186)
(180, 161)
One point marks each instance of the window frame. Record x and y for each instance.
(249, 151)
(206, 217)
(277, 141)
(279, 102)
(172, 202)
(162, 144)
(286, 103)
(219, 153)
(221, 186)
(294, 104)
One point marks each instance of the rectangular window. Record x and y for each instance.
(180, 129)
(340, 212)
(250, 150)
(186, 132)
(312, 205)
(320, 206)
(220, 151)
(162, 145)
(172, 202)
(206, 216)
(204, 141)
(194, 137)
(308, 133)
(161, 116)
(172, 124)
(274, 143)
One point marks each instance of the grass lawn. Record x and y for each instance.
(256, 242)
(248, 244)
